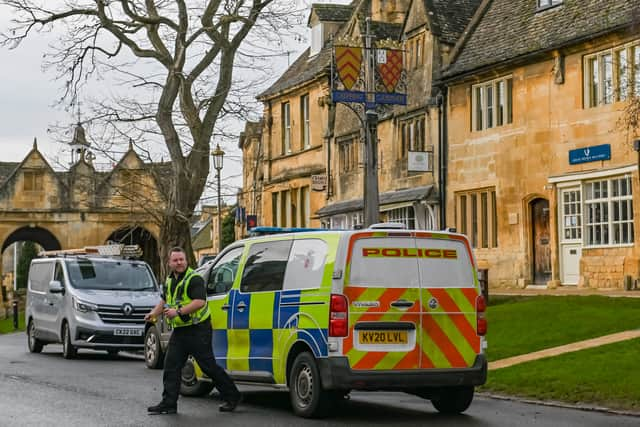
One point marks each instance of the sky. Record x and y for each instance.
(28, 96)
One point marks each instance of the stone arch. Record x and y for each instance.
(40, 235)
(138, 235)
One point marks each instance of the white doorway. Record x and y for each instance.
(570, 234)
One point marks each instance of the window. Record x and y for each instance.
(492, 104)
(316, 39)
(414, 51)
(571, 215)
(412, 135)
(548, 3)
(608, 75)
(304, 206)
(286, 128)
(265, 266)
(223, 274)
(608, 207)
(349, 154)
(304, 119)
(33, 181)
(39, 276)
(306, 264)
(404, 215)
(477, 218)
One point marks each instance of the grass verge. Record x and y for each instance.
(519, 325)
(605, 376)
(6, 325)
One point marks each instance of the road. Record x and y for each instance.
(100, 390)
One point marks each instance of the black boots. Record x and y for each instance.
(162, 408)
(230, 406)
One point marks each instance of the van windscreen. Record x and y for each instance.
(109, 275)
(407, 262)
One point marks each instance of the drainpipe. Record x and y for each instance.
(442, 158)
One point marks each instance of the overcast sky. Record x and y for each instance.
(29, 94)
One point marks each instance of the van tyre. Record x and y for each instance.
(68, 350)
(153, 354)
(35, 345)
(308, 398)
(190, 385)
(453, 400)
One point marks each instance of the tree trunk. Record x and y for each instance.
(174, 231)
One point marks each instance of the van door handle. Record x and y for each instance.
(402, 303)
(225, 307)
(241, 306)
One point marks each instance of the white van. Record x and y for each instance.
(88, 301)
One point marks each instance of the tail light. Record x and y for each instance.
(481, 322)
(338, 316)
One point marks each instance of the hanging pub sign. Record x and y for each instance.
(348, 73)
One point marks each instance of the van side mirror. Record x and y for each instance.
(55, 287)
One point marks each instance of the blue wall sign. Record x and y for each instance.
(590, 154)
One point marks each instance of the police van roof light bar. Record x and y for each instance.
(261, 231)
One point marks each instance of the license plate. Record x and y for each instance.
(383, 337)
(128, 332)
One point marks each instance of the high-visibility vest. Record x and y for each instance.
(177, 296)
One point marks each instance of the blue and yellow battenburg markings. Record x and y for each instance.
(259, 338)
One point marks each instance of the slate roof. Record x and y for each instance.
(509, 29)
(6, 169)
(332, 12)
(449, 18)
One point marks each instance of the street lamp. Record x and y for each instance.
(218, 156)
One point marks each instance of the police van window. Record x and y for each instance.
(306, 264)
(59, 275)
(265, 266)
(223, 274)
(384, 263)
(444, 264)
(39, 276)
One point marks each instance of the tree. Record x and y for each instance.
(28, 252)
(228, 229)
(171, 63)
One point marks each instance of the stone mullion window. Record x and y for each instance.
(492, 104)
(476, 217)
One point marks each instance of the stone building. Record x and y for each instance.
(249, 198)
(542, 176)
(82, 206)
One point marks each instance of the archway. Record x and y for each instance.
(139, 236)
(39, 235)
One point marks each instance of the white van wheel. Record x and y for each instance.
(153, 355)
(68, 350)
(35, 345)
(308, 398)
(453, 400)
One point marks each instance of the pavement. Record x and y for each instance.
(568, 348)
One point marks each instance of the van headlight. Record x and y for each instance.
(84, 306)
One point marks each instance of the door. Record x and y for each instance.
(541, 240)
(254, 310)
(383, 290)
(220, 279)
(570, 230)
(40, 275)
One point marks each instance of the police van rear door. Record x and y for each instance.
(448, 293)
(382, 285)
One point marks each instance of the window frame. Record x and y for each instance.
(607, 201)
(32, 181)
(211, 290)
(413, 135)
(596, 75)
(548, 4)
(496, 113)
(476, 216)
(305, 130)
(286, 127)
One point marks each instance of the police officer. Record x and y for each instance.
(184, 303)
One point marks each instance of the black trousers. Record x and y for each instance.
(195, 341)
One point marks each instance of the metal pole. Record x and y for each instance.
(370, 189)
(15, 266)
(219, 213)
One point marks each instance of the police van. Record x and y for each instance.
(321, 313)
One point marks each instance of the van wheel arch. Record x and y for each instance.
(296, 349)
